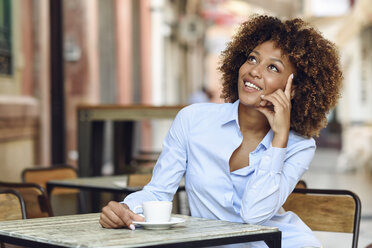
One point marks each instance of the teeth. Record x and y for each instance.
(248, 84)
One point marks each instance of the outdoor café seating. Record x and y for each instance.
(35, 198)
(327, 210)
(12, 205)
(63, 200)
(41, 175)
(138, 180)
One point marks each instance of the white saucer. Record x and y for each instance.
(161, 225)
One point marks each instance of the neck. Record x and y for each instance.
(251, 120)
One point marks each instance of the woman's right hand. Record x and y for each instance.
(116, 215)
(276, 106)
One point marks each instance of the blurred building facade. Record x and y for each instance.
(24, 104)
(114, 52)
(154, 52)
(354, 38)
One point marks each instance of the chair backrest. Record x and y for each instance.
(145, 158)
(34, 196)
(42, 175)
(138, 180)
(301, 184)
(327, 210)
(12, 206)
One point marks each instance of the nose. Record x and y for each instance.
(257, 71)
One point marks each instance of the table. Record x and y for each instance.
(112, 184)
(102, 183)
(91, 120)
(94, 184)
(85, 231)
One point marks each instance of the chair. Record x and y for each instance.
(138, 180)
(301, 184)
(327, 210)
(63, 200)
(145, 158)
(35, 198)
(12, 206)
(42, 175)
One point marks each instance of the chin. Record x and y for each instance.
(249, 103)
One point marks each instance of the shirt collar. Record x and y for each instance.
(232, 114)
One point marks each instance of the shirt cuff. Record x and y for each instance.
(132, 203)
(273, 159)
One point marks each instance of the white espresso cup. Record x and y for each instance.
(155, 211)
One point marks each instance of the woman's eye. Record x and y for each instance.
(251, 59)
(273, 68)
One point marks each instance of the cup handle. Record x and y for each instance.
(136, 208)
(141, 215)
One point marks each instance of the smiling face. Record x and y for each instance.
(267, 69)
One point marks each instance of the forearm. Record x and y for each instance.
(280, 140)
(262, 194)
(273, 180)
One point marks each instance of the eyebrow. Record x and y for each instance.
(275, 59)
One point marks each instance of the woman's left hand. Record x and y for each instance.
(277, 109)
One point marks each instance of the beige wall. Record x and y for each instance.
(19, 105)
(18, 135)
(14, 157)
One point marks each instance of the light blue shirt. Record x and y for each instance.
(199, 145)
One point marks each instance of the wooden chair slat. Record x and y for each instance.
(34, 196)
(139, 180)
(10, 208)
(42, 175)
(323, 213)
(329, 210)
(11, 205)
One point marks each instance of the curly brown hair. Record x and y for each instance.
(318, 76)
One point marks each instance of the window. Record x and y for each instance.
(5, 38)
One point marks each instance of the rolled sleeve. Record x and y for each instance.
(273, 160)
(274, 179)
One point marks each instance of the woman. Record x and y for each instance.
(243, 158)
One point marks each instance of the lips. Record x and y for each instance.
(251, 85)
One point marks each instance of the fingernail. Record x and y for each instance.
(262, 103)
(262, 96)
(292, 75)
(132, 227)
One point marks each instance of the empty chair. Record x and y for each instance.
(138, 180)
(145, 158)
(301, 184)
(34, 196)
(327, 210)
(12, 206)
(42, 175)
(63, 200)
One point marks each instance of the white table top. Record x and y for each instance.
(85, 231)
